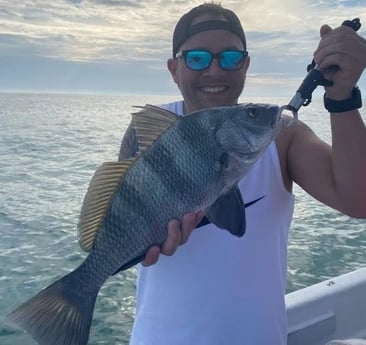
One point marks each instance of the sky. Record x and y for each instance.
(121, 46)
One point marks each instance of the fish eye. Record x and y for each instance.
(252, 112)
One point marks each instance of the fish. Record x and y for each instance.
(183, 164)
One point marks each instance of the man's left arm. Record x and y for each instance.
(338, 173)
(344, 48)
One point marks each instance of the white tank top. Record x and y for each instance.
(219, 289)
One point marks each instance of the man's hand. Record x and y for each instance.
(344, 48)
(178, 233)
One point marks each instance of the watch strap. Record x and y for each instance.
(352, 103)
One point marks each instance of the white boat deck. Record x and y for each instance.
(333, 309)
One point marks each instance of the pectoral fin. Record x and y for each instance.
(228, 212)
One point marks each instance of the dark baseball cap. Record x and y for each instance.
(184, 28)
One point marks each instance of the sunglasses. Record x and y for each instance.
(199, 59)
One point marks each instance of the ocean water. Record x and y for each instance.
(50, 145)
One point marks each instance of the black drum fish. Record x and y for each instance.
(185, 164)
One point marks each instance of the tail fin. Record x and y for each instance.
(58, 315)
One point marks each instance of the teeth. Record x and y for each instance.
(213, 89)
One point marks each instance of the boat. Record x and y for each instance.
(329, 310)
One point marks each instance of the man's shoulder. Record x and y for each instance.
(289, 141)
(288, 134)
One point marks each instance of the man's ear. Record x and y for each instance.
(172, 65)
(246, 64)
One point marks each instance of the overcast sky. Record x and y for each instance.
(121, 46)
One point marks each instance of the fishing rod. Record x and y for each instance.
(315, 77)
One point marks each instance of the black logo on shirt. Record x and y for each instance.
(205, 221)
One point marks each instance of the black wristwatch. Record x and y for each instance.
(352, 103)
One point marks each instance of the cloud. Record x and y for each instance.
(107, 30)
(291, 27)
(282, 34)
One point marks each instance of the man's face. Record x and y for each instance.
(213, 86)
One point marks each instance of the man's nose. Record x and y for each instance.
(214, 67)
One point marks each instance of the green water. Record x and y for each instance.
(50, 146)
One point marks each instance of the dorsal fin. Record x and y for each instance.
(97, 200)
(150, 123)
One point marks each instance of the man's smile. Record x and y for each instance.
(213, 89)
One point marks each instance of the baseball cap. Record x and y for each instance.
(184, 28)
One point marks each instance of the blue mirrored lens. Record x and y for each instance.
(199, 60)
(231, 59)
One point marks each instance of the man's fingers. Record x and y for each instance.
(324, 29)
(174, 238)
(178, 233)
(151, 256)
(189, 223)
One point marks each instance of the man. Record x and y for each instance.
(218, 289)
